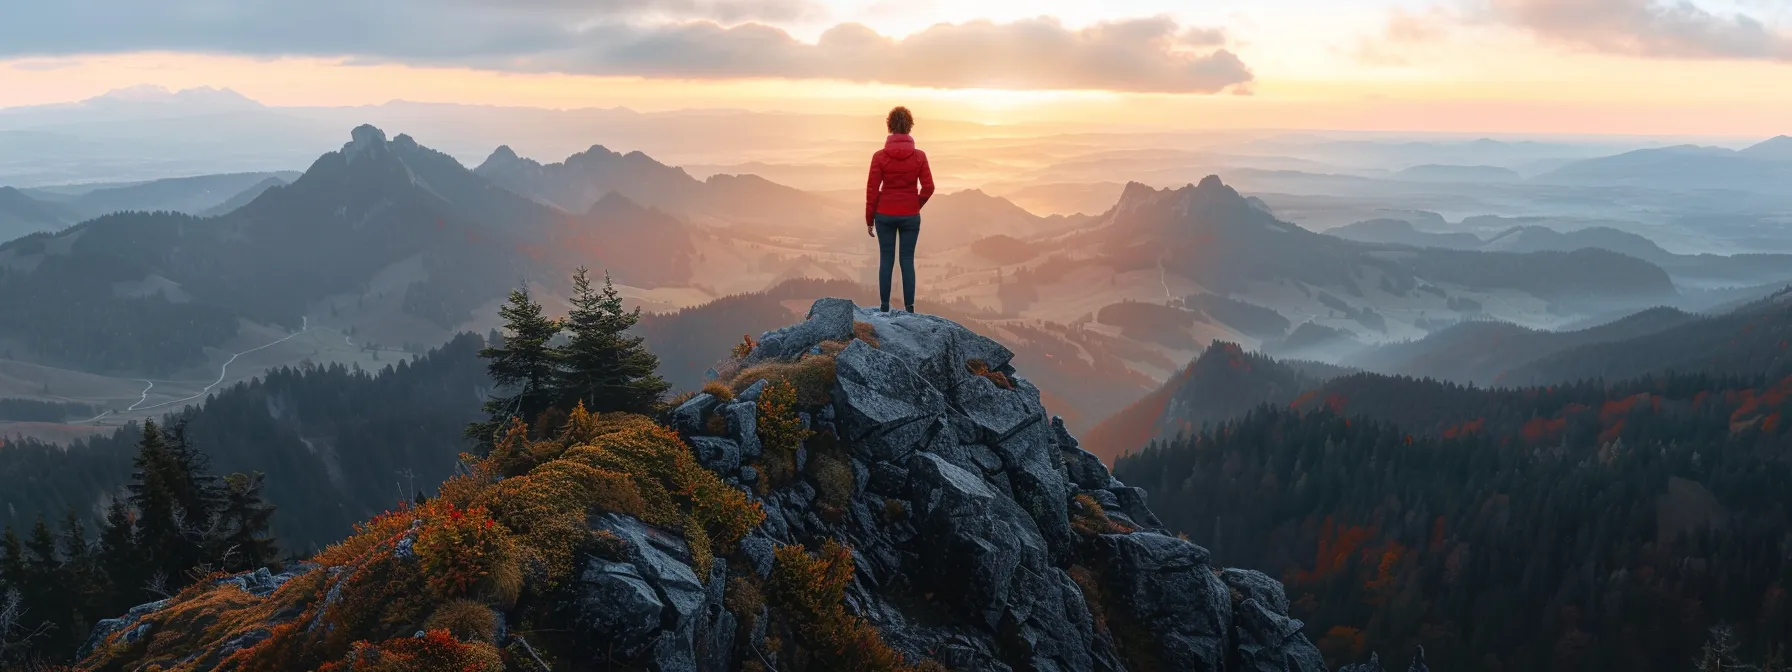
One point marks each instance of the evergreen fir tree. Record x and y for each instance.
(523, 361)
(196, 491)
(13, 571)
(246, 542)
(604, 366)
(78, 580)
(155, 485)
(120, 569)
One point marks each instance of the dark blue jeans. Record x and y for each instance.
(888, 228)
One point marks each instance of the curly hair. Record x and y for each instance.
(900, 120)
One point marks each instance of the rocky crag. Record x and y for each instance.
(956, 519)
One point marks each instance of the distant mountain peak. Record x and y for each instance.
(1777, 148)
(150, 93)
(367, 141)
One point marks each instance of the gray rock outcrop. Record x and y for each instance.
(982, 536)
(938, 423)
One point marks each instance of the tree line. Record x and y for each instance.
(174, 524)
(1584, 527)
(545, 367)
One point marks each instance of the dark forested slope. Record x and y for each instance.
(337, 444)
(1580, 527)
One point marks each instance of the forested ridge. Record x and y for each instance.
(1578, 527)
(338, 444)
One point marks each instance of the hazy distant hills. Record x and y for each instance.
(1226, 381)
(20, 214)
(389, 227)
(26, 211)
(1433, 172)
(587, 177)
(1214, 236)
(1767, 165)
(1482, 352)
(1523, 236)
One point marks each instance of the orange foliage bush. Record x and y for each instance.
(812, 375)
(467, 620)
(865, 331)
(744, 347)
(464, 553)
(435, 651)
(978, 367)
(443, 565)
(810, 592)
(781, 432)
(1088, 518)
(716, 389)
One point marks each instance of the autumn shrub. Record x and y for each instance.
(605, 544)
(1088, 518)
(548, 509)
(812, 375)
(450, 564)
(744, 347)
(978, 367)
(781, 433)
(512, 453)
(467, 620)
(832, 473)
(464, 553)
(721, 392)
(675, 490)
(808, 592)
(435, 651)
(744, 599)
(865, 331)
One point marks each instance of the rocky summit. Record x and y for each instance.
(970, 533)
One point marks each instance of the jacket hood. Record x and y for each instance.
(899, 145)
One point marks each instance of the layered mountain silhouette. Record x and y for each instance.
(21, 215)
(1212, 235)
(587, 177)
(1762, 167)
(1225, 381)
(1530, 234)
(379, 219)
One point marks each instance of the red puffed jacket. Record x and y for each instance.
(895, 171)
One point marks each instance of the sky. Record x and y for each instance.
(1703, 67)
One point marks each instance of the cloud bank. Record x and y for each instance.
(684, 39)
(1648, 28)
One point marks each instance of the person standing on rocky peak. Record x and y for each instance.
(899, 186)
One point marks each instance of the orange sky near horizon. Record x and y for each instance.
(1349, 69)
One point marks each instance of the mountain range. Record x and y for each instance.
(389, 223)
(1685, 167)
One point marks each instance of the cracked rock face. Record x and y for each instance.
(986, 478)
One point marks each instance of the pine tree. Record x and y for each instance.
(13, 572)
(604, 366)
(155, 486)
(120, 569)
(246, 543)
(78, 579)
(522, 361)
(196, 492)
